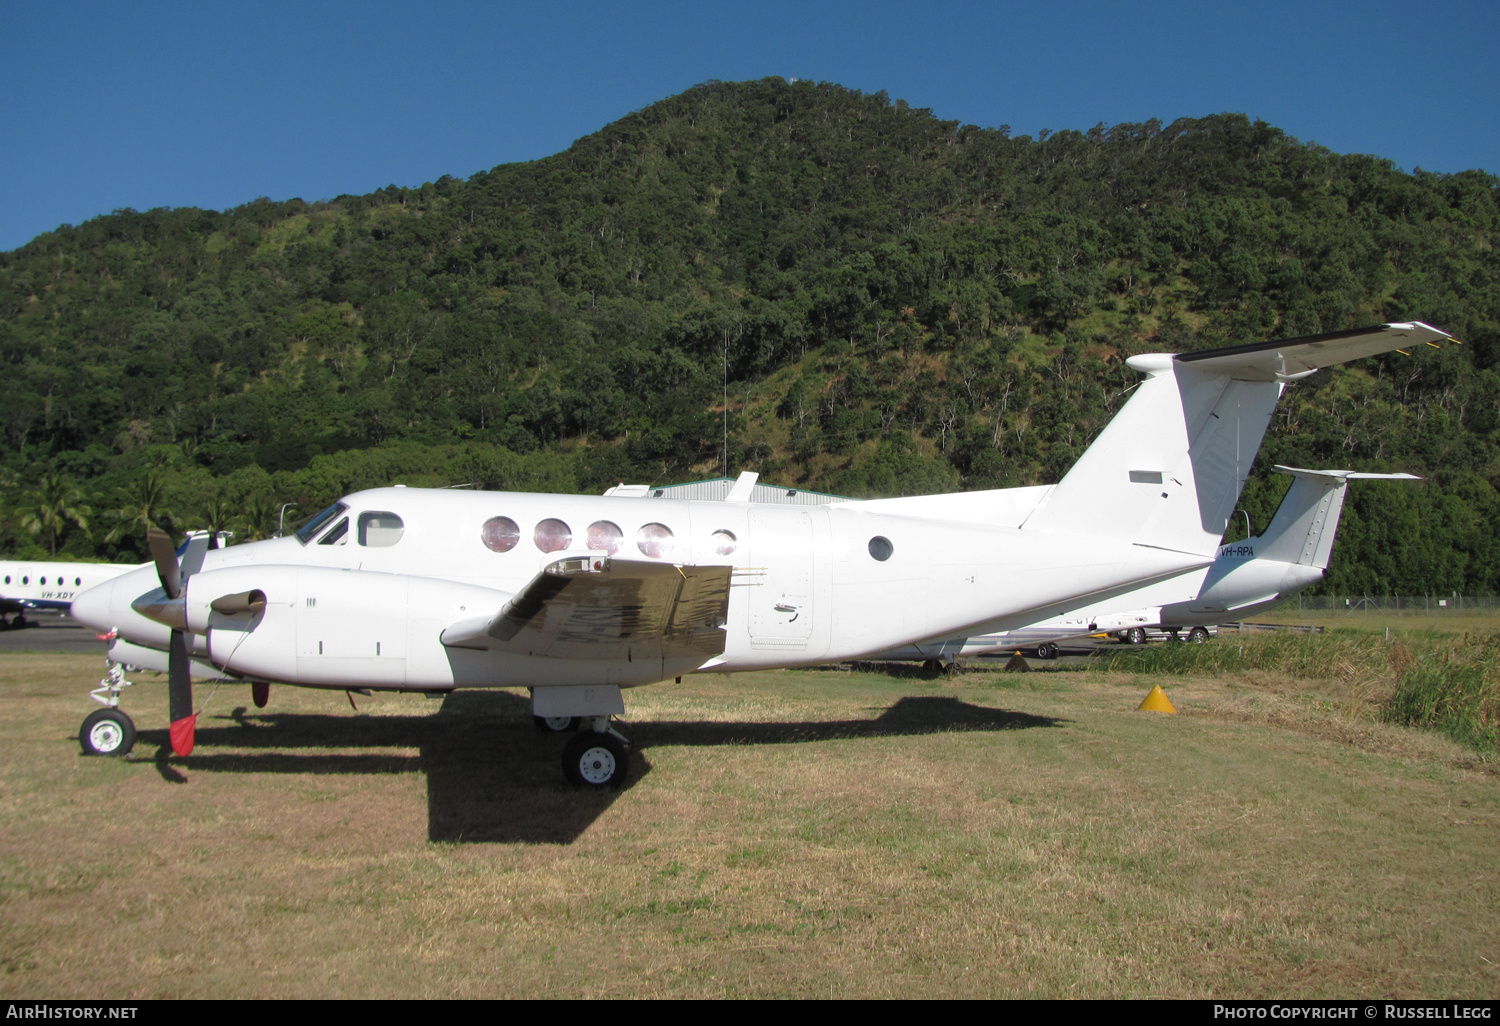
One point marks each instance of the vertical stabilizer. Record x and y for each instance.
(1167, 471)
(1303, 528)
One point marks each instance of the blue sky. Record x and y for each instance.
(108, 105)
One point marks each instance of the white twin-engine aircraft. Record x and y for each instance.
(577, 597)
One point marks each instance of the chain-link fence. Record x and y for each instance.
(1452, 602)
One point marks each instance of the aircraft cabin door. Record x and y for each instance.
(781, 602)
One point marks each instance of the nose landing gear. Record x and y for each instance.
(108, 731)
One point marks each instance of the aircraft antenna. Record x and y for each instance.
(726, 402)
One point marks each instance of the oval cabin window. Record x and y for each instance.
(380, 530)
(552, 535)
(655, 540)
(881, 548)
(724, 542)
(500, 534)
(604, 536)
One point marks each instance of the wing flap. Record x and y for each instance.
(607, 609)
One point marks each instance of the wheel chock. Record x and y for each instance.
(1018, 663)
(1157, 701)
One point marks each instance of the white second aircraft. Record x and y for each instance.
(1245, 578)
(47, 586)
(577, 597)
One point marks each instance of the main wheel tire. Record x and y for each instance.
(595, 761)
(555, 724)
(1198, 635)
(1135, 636)
(1046, 650)
(106, 732)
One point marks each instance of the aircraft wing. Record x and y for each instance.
(607, 609)
(1290, 358)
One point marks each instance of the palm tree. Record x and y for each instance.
(56, 504)
(219, 515)
(258, 513)
(143, 506)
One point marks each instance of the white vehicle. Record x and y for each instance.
(1195, 635)
(579, 597)
(1245, 578)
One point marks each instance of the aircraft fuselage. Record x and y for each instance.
(810, 585)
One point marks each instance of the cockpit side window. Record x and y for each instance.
(380, 530)
(337, 535)
(308, 531)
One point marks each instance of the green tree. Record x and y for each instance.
(143, 506)
(54, 506)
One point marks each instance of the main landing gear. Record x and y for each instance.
(108, 731)
(597, 757)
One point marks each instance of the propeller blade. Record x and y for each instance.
(180, 695)
(193, 551)
(165, 555)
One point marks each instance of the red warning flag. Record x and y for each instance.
(182, 735)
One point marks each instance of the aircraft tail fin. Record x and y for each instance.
(1167, 471)
(1303, 527)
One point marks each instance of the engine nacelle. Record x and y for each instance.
(314, 625)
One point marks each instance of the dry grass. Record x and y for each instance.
(800, 833)
(1449, 621)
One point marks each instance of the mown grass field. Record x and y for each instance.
(800, 833)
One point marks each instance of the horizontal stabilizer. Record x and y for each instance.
(1289, 359)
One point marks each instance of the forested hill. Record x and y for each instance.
(890, 302)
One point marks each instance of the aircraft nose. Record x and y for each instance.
(106, 606)
(92, 607)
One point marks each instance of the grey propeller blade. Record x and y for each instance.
(165, 555)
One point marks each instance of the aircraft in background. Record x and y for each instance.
(48, 586)
(1246, 578)
(579, 597)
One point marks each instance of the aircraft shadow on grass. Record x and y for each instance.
(492, 778)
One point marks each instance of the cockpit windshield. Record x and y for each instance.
(308, 531)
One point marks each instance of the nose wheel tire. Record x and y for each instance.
(595, 761)
(555, 724)
(1135, 636)
(106, 732)
(1047, 650)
